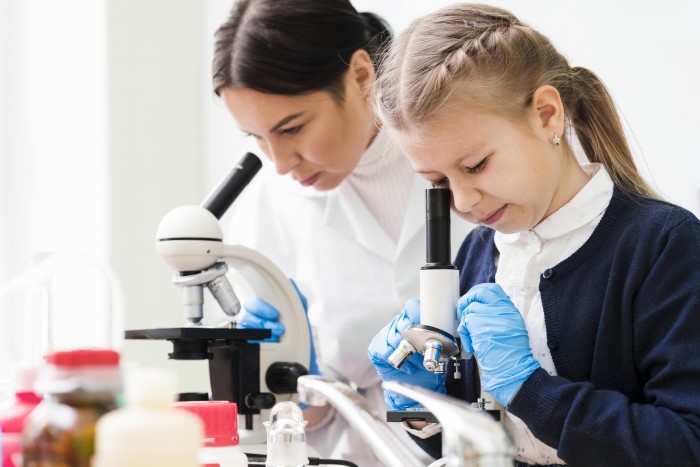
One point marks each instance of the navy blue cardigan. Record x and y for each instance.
(623, 326)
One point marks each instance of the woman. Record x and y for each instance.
(346, 221)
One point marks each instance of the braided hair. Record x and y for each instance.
(483, 57)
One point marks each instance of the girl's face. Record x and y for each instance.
(505, 175)
(313, 137)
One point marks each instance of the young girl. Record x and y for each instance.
(347, 220)
(581, 289)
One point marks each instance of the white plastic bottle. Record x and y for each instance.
(220, 433)
(148, 432)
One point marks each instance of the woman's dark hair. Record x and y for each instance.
(293, 47)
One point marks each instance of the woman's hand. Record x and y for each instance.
(258, 314)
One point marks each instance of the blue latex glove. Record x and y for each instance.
(257, 314)
(412, 371)
(493, 329)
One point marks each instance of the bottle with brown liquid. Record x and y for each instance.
(78, 386)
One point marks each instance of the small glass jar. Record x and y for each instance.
(78, 386)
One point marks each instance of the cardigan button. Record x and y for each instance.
(547, 273)
(552, 343)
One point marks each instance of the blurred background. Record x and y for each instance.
(107, 121)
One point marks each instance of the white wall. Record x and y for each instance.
(53, 158)
(156, 159)
(54, 147)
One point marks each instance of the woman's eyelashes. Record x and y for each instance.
(282, 131)
(291, 131)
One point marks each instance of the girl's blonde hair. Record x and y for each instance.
(484, 57)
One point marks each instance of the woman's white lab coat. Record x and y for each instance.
(355, 277)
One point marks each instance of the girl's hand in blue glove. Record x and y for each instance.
(258, 314)
(412, 371)
(493, 329)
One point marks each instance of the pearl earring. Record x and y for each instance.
(556, 139)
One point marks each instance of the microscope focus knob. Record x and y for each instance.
(260, 401)
(281, 377)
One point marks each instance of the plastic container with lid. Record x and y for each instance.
(148, 432)
(221, 441)
(13, 418)
(79, 387)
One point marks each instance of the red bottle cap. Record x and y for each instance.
(220, 420)
(83, 357)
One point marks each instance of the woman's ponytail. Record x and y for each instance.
(379, 36)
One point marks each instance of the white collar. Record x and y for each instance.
(378, 154)
(588, 204)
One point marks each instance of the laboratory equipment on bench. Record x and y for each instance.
(286, 436)
(254, 375)
(384, 442)
(470, 437)
(78, 388)
(13, 418)
(220, 445)
(434, 337)
(51, 305)
(147, 432)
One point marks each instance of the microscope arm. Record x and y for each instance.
(255, 275)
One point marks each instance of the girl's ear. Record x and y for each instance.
(547, 112)
(361, 70)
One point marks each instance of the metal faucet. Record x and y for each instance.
(389, 448)
(469, 438)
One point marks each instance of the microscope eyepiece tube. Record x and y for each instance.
(228, 189)
(437, 228)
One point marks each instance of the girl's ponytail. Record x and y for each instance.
(597, 124)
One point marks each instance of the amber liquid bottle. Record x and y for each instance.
(79, 387)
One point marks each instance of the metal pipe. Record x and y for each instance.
(386, 444)
(469, 437)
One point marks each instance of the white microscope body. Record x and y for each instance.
(190, 241)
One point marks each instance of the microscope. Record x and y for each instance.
(253, 374)
(434, 337)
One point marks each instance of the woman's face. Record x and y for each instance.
(314, 137)
(504, 175)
